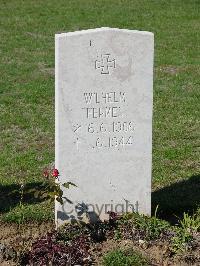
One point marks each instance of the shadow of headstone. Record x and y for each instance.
(173, 200)
(10, 195)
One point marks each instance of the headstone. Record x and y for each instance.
(104, 96)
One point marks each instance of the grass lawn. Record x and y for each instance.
(27, 31)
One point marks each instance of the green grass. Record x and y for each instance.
(124, 258)
(27, 31)
(20, 214)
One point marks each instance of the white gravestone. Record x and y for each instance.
(104, 99)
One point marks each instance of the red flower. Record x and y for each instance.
(55, 173)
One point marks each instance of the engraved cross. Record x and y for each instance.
(77, 142)
(105, 63)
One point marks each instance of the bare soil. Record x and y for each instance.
(157, 252)
(12, 234)
(21, 237)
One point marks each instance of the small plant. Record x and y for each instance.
(190, 223)
(51, 190)
(184, 235)
(124, 258)
(19, 194)
(99, 231)
(21, 204)
(180, 241)
(146, 227)
(118, 234)
(128, 216)
(48, 251)
(70, 231)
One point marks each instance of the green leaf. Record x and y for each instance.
(68, 200)
(36, 194)
(60, 200)
(44, 195)
(66, 185)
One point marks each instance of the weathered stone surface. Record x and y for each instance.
(104, 95)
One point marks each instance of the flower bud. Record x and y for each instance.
(55, 173)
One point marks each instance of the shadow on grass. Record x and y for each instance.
(10, 195)
(183, 196)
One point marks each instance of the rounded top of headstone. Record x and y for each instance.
(102, 29)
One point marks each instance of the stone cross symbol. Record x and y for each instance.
(77, 142)
(105, 64)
